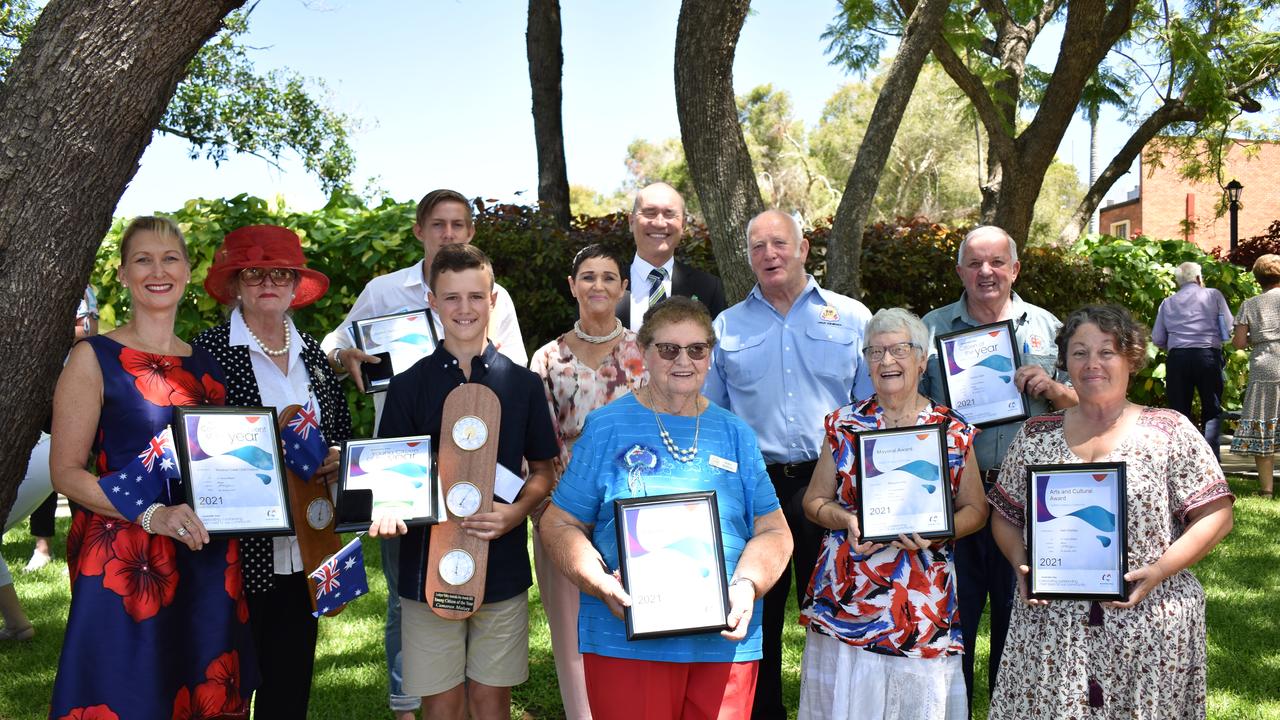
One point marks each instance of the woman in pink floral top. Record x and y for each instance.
(1143, 658)
(883, 620)
(590, 366)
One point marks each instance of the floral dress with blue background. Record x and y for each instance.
(154, 630)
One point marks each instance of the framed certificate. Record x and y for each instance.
(233, 470)
(399, 474)
(903, 482)
(1076, 536)
(400, 340)
(672, 563)
(977, 374)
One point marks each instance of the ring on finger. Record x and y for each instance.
(182, 531)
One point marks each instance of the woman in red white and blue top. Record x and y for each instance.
(883, 622)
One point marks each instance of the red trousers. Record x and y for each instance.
(619, 689)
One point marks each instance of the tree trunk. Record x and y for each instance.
(546, 63)
(1174, 111)
(844, 252)
(76, 111)
(706, 39)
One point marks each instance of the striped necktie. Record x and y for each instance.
(657, 292)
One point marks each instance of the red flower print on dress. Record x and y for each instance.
(187, 390)
(223, 683)
(152, 374)
(142, 573)
(233, 581)
(75, 540)
(99, 538)
(203, 706)
(94, 712)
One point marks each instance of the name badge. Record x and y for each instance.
(727, 465)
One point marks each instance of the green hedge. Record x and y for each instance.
(910, 264)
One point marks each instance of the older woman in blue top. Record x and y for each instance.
(688, 444)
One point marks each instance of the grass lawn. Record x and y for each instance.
(1241, 579)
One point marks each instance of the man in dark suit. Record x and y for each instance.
(657, 224)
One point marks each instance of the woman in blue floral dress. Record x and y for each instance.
(158, 621)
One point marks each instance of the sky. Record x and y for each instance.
(441, 92)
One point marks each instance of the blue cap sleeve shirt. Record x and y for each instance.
(619, 441)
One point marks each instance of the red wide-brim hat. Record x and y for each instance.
(263, 246)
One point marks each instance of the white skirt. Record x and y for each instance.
(841, 682)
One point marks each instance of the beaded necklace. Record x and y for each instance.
(273, 353)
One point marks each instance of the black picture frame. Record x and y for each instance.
(256, 452)
(924, 443)
(356, 505)
(965, 406)
(376, 377)
(662, 586)
(1042, 576)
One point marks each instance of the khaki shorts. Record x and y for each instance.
(490, 647)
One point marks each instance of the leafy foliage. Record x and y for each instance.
(1140, 276)
(224, 105)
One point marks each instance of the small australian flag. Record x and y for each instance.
(340, 579)
(304, 446)
(137, 485)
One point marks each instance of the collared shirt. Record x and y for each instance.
(405, 290)
(640, 284)
(415, 406)
(1193, 317)
(783, 375)
(1035, 329)
(278, 390)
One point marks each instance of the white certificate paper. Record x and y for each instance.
(672, 564)
(406, 337)
(1076, 538)
(399, 473)
(233, 469)
(977, 372)
(904, 484)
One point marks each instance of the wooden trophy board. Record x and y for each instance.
(457, 561)
(313, 519)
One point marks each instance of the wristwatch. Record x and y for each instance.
(335, 359)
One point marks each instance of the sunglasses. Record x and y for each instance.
(671, 351)
(280, 277)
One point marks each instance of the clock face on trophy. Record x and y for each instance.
(468, 460)
(457, 567)
(319, 513)
(470, 433)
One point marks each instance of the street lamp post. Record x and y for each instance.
(1234, 188)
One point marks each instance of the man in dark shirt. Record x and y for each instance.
(468, 667)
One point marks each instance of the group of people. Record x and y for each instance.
(658, 388)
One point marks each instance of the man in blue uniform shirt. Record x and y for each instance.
(988, 265)
(787, 355)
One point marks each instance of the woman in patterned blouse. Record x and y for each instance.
(883, 620)
(1143, 658)
(595, 363)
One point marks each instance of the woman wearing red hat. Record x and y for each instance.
(261, 274)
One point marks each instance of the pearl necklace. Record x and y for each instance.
(676, 451)
(272, 353)
(596, 339)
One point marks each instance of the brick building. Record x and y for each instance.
(1167, 205)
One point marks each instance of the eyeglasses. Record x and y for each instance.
(671, 351)
(280, 277)
(875, 353)
(653, 213)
